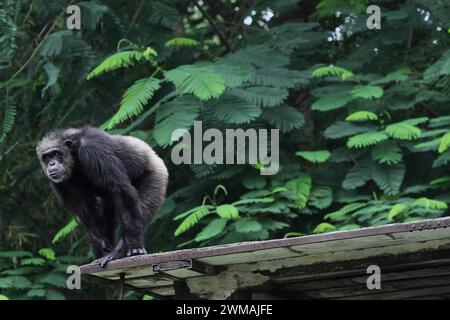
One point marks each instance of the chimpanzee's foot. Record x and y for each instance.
(117, 253)
(103, 261)
(136, 252)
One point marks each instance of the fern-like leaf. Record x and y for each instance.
(439, 68)
(300, 187)
(389, 178)
(134, 100)
(340, 214)
(366, 139)
(387, 152)
(182, 42)
(278, 77)
(53, 43)
(314, 156)
(193, 217)
(430, 204)
(396, 210)
(179, 113)
(367, 92)
(321, 197)
(445, 143)
(324, 227)
(118, 60)
(262, 96)
(362, 116)
(9, 118)
(52, 76)
(358, 175)
(47, 253)
(247, 225)
(32, 262)
(396, 76)
(214, 228)
(234, 74)
(227, 211)
(342, 129)
(332, 71)
(284, 117)
(199, 81)
(66, 230)
(332, 101)
(16, 282)
(403, 131)
(232, 109)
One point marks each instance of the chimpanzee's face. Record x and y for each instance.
(55, 158)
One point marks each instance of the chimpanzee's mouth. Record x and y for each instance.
(56, 176)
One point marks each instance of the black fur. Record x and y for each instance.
(107, 181)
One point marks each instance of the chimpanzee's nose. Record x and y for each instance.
(52, 163)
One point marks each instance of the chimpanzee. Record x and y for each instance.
(110, 182)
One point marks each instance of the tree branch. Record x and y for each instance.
(221, 35)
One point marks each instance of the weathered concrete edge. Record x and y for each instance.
(155, 258)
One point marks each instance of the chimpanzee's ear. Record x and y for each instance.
(68, 143)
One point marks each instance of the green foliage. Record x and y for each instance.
(194, 215)
(214, 228)
(227, 211)
(118, 60)
(332, 101)
(396, 210)
(430, 203)
(178, 113)
(284, 118)
(366, 139)
(32, 262)
(367, 92)
(324, 227)
(134, 100)
(403, 131)
(389, 178)
(262, 96)
(8, 118)
(182, 42)
(314, 156)
(45, 280)
(47, 253)
(362, 116)
(199, 81)
(342, 129)
(333, 71)
(247, 225)
(235, 110)
(387, 152)
(300, 187)
(396, 76)
(65, 231)
(445, 143)
(321, 197)
(53, 43)
(439, 68)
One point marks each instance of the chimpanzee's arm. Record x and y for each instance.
(83, 204)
